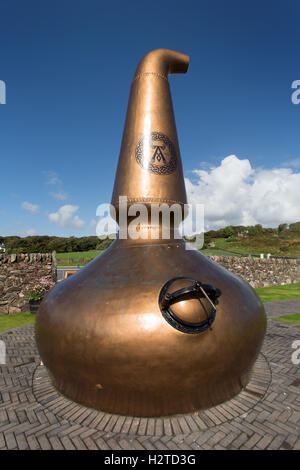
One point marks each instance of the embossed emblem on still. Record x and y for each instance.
(156, 153)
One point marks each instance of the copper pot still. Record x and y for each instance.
(149, 328)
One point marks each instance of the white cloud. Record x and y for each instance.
(52, 177)
(295, 163)
(60, 196)
(92, 223)
(64, 217)
(34, 208)
(234, 193)
(29, 232)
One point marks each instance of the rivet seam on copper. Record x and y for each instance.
(146, 199)
(150, 73)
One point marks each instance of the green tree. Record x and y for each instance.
(295, 227)
(282, 227)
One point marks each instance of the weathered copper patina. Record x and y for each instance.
(136, 331)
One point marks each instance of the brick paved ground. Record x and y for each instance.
(284, 307)
(265, 416)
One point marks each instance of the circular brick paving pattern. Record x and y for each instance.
(265, 416)
(241, 405)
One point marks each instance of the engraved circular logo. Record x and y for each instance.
(156, 153)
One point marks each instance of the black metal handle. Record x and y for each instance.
(196, 291)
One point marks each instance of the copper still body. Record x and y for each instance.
(149, 328)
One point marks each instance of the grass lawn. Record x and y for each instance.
(225, 243)
(7, 322)
(285, 243)
(294, 319)
(76, 257)
(270, 294)
(215, 252)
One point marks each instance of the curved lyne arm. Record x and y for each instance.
(163, 62)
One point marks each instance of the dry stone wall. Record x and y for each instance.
(16, 272)
(262, 272)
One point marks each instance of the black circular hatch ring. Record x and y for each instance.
(197, 290)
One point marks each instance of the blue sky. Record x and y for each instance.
(68, 66)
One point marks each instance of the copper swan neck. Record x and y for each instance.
(163, 62)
